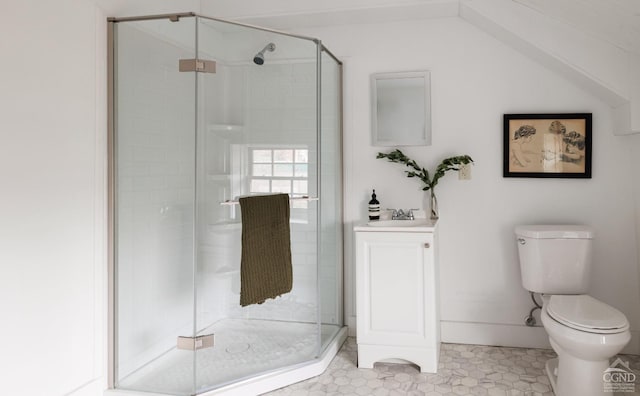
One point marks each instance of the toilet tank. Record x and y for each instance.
(555, 259)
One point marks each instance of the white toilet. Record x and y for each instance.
(585, 333)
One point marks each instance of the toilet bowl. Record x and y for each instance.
(585, 333)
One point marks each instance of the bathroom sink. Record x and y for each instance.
(417, 225)
(400, 223)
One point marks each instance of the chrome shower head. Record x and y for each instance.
(259, 58)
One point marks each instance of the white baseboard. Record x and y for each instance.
(494, 334)
(509, 335)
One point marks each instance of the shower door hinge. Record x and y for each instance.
(195, 343)
(197, 65)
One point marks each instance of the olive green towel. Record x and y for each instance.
(265, 267)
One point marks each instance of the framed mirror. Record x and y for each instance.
(401, 109)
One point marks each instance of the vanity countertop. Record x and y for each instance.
(417, 225)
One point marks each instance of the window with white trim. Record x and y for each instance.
(280, 170)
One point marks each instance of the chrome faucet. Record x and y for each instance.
(399, 214)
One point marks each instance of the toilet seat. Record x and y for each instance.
(585, 313)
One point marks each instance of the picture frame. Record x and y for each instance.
(547, 145)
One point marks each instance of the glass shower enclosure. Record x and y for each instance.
(204, 111)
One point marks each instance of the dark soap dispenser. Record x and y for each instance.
(374, 207)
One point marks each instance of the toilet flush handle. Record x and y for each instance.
(521, 241)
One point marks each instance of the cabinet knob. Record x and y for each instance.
(427, 245)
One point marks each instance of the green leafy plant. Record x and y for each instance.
(448, 164)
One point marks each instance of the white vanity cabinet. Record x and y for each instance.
(397, 296)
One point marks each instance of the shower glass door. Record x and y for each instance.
(154, 179)
(256, 134)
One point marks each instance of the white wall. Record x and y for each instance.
(53, 268)
(476, 79)
(52, 207)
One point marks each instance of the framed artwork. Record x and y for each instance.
(547, 145)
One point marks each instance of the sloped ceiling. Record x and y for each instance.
(595, 43)
(615, 21)
(266, 8)
(291, 14)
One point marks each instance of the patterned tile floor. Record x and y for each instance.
(463, 370)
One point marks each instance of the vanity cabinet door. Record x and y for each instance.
(396, 289)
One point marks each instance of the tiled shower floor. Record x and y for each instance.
(463, 370)
(242, 348)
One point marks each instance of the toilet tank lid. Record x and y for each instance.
(555, 231)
